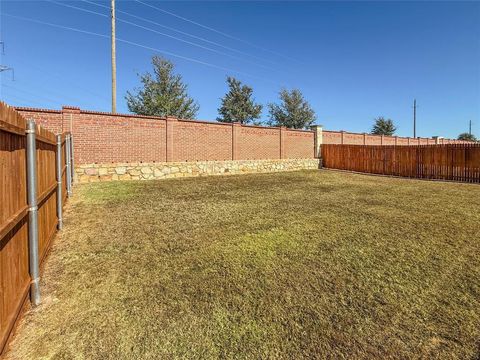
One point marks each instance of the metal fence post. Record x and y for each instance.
(72, 165)
(68, 160)
(59, 182)
(34, 261)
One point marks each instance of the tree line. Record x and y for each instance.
(386, 127)
(163, 93)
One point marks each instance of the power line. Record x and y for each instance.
(216, 31)
(161, 33)
(25, 101)
(31, 93)
(42, 89)
(184, 33)
(49, 73)
(138, 45)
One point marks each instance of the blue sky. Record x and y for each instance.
(352, 60)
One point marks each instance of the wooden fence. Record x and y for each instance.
(16, 209)
(457, 162)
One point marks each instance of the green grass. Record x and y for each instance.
(290, 265)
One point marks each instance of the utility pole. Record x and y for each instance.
(114, 63)
(470, 128)
(414, 118)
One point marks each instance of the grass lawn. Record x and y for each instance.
(289, 265)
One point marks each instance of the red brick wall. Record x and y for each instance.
(256, 142)
(49, 119)
(105, 137)
(299, 144)
(344, 137)
(195, 141)
(102, 139)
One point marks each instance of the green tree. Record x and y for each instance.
(467, 137)
(383, 126)
(238, 104)
(293, 111)
(163, 93)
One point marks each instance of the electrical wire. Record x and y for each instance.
(138, 45)
(182, 32)
(216, 31)
(161, 33)
(31, 93)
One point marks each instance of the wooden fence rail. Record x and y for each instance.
(15, 237)
(456, 162)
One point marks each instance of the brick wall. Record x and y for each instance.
(348, 138)
(112, 138)
(107, 138)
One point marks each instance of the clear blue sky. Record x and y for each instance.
(352, 60)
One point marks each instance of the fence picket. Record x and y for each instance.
(458, 162)
(15, 278)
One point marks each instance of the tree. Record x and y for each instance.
(467, 137)
(238, 105)
(163, 93)
(293, 111)
(383, 126)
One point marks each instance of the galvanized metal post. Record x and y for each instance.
(59, 182)
(68, 161)
(34, 260)
(72, 165)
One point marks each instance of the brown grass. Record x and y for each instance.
(292, 265)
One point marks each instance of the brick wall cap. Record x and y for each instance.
(259, 126)
(205, 122)
(32, 109)
(299, 130)
(105, 113)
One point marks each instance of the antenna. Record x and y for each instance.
(5, 67)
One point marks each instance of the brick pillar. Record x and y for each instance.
(342, 132)
(318, 140)
(283, 134)
(236, 128)
(170, 128)
(69, 113)
(408, 140)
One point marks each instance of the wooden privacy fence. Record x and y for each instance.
(458, 162)
(35, 178)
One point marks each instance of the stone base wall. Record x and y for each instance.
(167, 170)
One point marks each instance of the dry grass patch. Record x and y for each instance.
(291, 265)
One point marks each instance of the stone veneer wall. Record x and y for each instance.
(164, 170)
